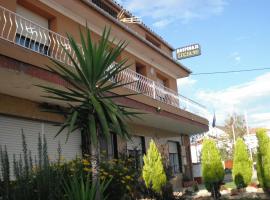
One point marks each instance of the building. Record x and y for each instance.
(251, 139)
(32, 31)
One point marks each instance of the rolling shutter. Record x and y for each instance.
(32, 30)
(10, 135)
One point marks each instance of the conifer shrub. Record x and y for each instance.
(263, 159)
(153, 171)
(242, 165)
(212, 168)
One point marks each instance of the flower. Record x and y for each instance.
(85, 162)
(86, 169)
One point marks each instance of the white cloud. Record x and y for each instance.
(252, 97)
(161, 23)
(185, 82)
(174, 10)
(236, 57)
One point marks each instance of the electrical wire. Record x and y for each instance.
(231, 71)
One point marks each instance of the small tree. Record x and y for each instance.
(153, 171)
(242, 165)
(87, 96)
(212, 168)
(238, 122)
(263, 158)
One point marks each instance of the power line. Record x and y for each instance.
(232, 71)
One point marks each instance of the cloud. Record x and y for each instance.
(161, 23)
(185, 82)
(169, 11)
(252, 97)
(236, 57)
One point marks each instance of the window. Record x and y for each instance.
(174, 157)
(160, 92)
(141, 69)
(142, 85)
(135, 150)
(108, 148)
(105, 7)
(31, 44)
(32, 35)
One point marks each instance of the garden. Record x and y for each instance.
(243, 186)
(41, 178)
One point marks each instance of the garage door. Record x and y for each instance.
(10, 135)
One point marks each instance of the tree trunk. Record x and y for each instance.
(89, 149)
(86, 145)
(95, 157)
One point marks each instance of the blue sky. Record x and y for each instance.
(234, 35)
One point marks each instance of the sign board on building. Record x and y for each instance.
(188, 51)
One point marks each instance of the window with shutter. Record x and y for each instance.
(32, 34)
(174, 157)
(107, 147)
(135, 150)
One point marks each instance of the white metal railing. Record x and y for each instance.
(23, 32)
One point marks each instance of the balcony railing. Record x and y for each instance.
(23, 32)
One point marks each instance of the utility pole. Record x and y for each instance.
(250, 151)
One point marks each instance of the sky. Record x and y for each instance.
(234, 35)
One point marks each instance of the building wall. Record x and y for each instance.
(60, 23)
(26, 109)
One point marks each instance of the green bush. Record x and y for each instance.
(44, 180)
(263, 158)
(122, 175)
(242, 165)
(212, 168)
(78, 188)
(153, 171)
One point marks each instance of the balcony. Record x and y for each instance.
(27, 34)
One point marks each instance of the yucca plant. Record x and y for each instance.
(79, 189)
(87, 95)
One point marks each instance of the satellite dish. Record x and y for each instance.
(129, 20)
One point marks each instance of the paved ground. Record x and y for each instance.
(250, 193)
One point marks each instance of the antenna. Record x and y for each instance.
(129, 20)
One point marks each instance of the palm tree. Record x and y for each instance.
(87, 95)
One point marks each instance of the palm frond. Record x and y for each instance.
(86, 93)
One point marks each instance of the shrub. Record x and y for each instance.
(153, 171)
(195, 187)
(78, 188)
(242, 165)
(212, 168)
(32, 181)
(122, 175)
(263, 158)
(42, 179)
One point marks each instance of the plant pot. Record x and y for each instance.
(188, 183)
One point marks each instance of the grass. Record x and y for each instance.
(230, 185)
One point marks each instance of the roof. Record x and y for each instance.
(135, 33)
(144, 26)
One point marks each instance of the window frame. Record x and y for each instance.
(176, 167)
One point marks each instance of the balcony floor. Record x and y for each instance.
(18, 79)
